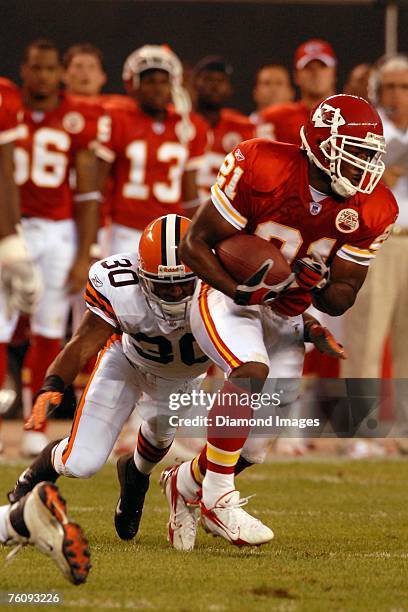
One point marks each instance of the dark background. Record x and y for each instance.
(247, 34)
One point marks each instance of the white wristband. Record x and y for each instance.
(13, 248)
(87, 197)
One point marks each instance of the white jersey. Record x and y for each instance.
(161, 348)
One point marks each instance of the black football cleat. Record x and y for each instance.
(133, 488)
(40, 470)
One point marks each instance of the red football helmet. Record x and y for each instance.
(335, 128)
(160, 264)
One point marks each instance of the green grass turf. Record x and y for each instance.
(341, 543)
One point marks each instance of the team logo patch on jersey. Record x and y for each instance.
(315, 208)
(185, 131)
(158, 127)
(96, 281)
(238, 155)
(230, 140)
(347, 220)
(73, 122)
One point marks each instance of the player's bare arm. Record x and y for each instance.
(90, 337)
(208, 227)
(86, 216)
(346, 279)
(191, 201)
(103, 170)
(8, 193)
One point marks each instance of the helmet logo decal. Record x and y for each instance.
(347, 220)
(328, 116)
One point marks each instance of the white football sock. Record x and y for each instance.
(215, 486)
(186, 484)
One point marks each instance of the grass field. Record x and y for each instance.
(341, 543)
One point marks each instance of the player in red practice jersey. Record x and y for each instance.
(266, 188)
(152, 149)
(58, 224)
(226, 127)
(315, 75)
(20, 281)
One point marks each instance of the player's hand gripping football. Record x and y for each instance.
(45, 403)
(256, 290)
(311, 272)
(323, 339)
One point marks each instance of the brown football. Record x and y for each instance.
(242, 254)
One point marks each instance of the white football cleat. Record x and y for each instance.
(183, 519)
(32, 443)
(43, 513)
(227, 519)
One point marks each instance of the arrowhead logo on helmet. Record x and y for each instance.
(328, 116)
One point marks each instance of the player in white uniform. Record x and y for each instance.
(138, 314)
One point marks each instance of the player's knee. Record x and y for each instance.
(254, 371)
(84, 466)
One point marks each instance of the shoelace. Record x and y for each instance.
(241, 502)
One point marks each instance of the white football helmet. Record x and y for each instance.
(149, 57)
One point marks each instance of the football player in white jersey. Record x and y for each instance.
(138, 319)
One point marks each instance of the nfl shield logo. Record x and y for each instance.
(315, 208)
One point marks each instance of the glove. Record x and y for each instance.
(46, 401)
(256, 291)
(311, 272)
(22, 286)
(323, 340)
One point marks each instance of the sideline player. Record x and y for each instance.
(19, 279)
(138, 314)
(226, 127)
(266, 188)
(40, 519)
(272, 86)
(315, 74)
(58, 225)
(152, 150)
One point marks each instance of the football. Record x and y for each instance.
(242, 254)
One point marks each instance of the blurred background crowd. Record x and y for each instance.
(274, 99)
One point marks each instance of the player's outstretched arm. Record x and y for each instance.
(346, 279)
(207, 228)
(90, 337)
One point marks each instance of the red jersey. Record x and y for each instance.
(45, 154)
(150, 159)
(263, 188)
(231, 129)
(282, 122)
(10, 105)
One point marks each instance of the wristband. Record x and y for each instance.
(87, 197)
(53, 383)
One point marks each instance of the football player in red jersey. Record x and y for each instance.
(225, 127)
(315, 75)
(84, 70)
(152, 149)
(58, 224)
(272, 86)
(19, 278)
(268, 189)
